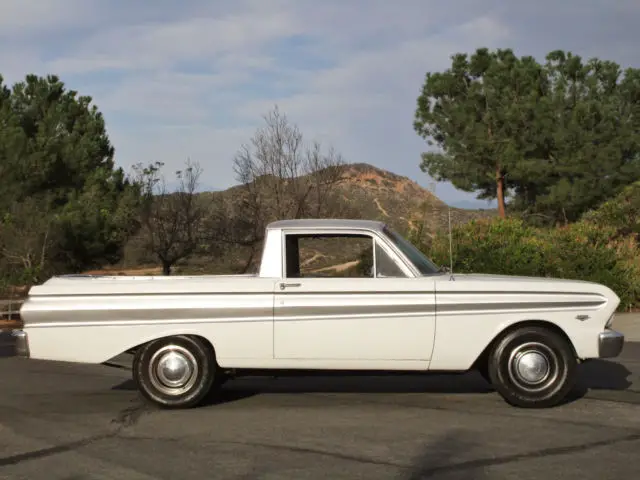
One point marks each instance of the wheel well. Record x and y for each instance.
(205, 341)
(483, 357)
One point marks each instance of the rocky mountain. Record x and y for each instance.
(374, 193)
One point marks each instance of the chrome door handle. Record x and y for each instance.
(285, 285)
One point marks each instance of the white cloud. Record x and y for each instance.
(29, 18)
(194, 78)
(164, 44)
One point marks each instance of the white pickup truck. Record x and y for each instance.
(390, 309)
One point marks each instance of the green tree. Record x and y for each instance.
(55, 153)
(478, 113)
(560, 138)
(587, 147)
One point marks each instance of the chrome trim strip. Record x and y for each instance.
(98, 314)
(135, 323)
(130, 323)
(40, 297)
(518, 292)
(47, 296)
(397, 256)
(513, 306)
(132, 314)
(357, 310)
(428, 291)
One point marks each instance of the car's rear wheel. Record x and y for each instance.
(175, 372)
(532, 367)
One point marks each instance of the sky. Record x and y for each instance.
(193, 78)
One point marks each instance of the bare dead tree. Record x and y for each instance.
(281, 178)
(171, 221)
(28, 236)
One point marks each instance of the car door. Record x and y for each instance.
(377, 314)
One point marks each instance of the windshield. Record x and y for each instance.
(415, 256)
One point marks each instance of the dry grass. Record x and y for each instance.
(139, 271)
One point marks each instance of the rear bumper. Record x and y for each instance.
(21, 343)
(610, 343)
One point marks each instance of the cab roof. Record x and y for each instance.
(327, 223)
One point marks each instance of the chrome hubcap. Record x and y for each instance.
(173, 370)
(533, 366)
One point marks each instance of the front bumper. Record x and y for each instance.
(21, 343)
(610, 343)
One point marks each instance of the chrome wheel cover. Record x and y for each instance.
(533, 366)
(173, 370)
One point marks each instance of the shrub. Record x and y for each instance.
(501, 247)
(583, 251)
(621, 213)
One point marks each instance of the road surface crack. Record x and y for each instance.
(47, 452)
(545, 452)
(124, 419)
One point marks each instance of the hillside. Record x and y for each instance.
(368, 192)
(363, 192)
(399, 201)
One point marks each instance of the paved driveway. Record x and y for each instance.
(73, 422)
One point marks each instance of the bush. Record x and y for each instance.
(582, 251)
(506, 247)
(621, 213)
(585, 251)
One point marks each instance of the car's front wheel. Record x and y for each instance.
(175, 372)
(533, 367)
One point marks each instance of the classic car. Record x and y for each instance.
(395, 311)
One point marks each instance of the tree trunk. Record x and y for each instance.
(166, 268)
(500, 192)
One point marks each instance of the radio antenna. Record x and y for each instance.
(450, 246)
(451, 277)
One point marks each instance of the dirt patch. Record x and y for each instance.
(380, 207)
(337, 268)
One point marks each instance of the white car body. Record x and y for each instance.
(270, 321)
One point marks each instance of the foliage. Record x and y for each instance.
(507, 247)
(621, 213)
(479, 112)
(560, 136)
(63, 204)
(588, 148)
(172, 222)
(582, 251)
(98, 220)
(28, 236)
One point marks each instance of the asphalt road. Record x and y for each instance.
(74, 422)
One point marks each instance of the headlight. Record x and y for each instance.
(610, 321)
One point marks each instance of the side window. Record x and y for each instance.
(385, 265)
(329, 255)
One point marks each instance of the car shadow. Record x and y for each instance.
(443, 457)
(601, 375)
(7, 344)
(225, 395)
(592, 375)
